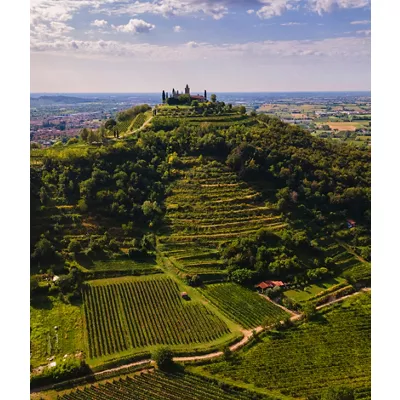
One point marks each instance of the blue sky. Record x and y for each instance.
(221, 45)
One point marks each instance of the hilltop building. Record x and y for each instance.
(175, 94)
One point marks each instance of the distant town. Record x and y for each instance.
(340, 116)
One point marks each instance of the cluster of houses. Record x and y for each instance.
(269, 285)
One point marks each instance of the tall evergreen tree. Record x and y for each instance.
(163, 96)
(205, 94)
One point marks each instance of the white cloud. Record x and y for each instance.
(293, 23)
(100, 23)
(192, 45)
(135, 26)
(345, 48)
(177, 29)
(169, 8)
(250, 11)
(325, 6)
(366, 32)
(275, 8)
(364, 22)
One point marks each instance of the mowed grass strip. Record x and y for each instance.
(242, 305)
(138, 313)
(332, 350)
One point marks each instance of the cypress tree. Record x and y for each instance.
(163, 96)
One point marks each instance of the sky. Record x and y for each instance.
(219, 45)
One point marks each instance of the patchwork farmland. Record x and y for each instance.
(133, 313)
(208, 206)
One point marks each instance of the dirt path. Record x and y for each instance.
(342, 298)
(147, 122)
(291, 312)
(351, 251)
(247, 334)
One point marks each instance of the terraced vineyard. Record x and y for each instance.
(334, 350)
(129, 313)
(208, 205)
(160, 386)
(347, 263)
(242, 305)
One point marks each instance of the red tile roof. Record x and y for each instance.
(269, 284)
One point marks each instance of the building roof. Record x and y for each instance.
(264, 285)
(269, 284)
(197, 97)
(277, 283)
(351, 221)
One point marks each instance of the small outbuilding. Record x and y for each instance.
(351, 223)
(185, 296)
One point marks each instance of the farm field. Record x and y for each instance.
(45, 315)
(332, 350)
(123, 264)
(302, 295)
(347, 126)
(242, 305)
(161, 386)
(208, 206)
(129, 313)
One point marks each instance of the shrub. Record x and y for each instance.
(74, 246)
(227, 353)
(72, 141)
(66, 369)
(194, 280)
(309, 311)
(163, 357)
(242, 276)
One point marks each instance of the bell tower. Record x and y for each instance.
(187, 89)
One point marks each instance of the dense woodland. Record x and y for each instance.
(318, 185)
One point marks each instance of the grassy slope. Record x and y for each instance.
(44, 318)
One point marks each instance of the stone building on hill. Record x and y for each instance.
(175, 94)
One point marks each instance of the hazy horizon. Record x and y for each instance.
(261, 92)
(142, 46)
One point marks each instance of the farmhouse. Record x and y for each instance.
(269, 285)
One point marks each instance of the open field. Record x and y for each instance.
(301, 295)
(46, 341)
(207, 206)
(160, 386)
(130, 313)
(245, 307)
(347, 126)
(332, 350)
